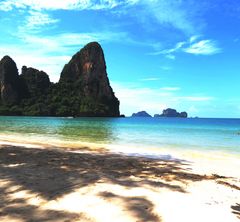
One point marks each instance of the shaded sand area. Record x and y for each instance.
(50, 184)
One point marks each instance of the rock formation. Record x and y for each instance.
(172, 113)
(141, 114)
(83, 88)
(35, 80)
(9, 81)
(87, 70)
(183, 115)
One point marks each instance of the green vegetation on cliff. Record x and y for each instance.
(83, 89)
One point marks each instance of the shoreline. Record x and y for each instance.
(204, 161)
(85, 184)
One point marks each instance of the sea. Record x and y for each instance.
(198, 134)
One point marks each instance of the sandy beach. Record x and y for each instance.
(54, 184)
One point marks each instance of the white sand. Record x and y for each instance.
(205, 200)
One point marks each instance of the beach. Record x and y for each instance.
(119, 111)
(44, 183)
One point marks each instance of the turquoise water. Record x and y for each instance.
(197, 134)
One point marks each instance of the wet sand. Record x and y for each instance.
(54, 184)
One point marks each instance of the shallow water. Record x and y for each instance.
(171, 133)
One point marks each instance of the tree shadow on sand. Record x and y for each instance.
(15, 209)
(139, 206)
(52, 173)
(236, 210)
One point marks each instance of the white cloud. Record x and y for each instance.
(203, 47)
(191, 46)
(37, 20)
(194, 38)
(134, 98)
(178, 46)
(181, 15)
(8, 5)
(178, 14)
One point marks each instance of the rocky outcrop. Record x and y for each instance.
(141, 114)
(9, 81)
(35, 81)
(87, 70)
(172, 113)
(183, 115)
(83, 89)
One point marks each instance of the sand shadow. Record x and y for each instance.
(15, 209)
(236, 210)
(139, 207)
(52, 173)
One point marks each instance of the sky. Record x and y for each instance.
(182, 54)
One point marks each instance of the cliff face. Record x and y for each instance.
(9, 82)
(83, 88)
(87, 69)
(35, 81)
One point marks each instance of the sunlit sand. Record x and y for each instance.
(51, 184)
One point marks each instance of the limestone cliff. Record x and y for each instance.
(9, 82)
(83, 88)
(87, 69)
(35, 81)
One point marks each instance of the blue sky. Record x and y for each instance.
(182, 54)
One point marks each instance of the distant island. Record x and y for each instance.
(83, 88)
(172, 113)
(141, 114)
(166, 113)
